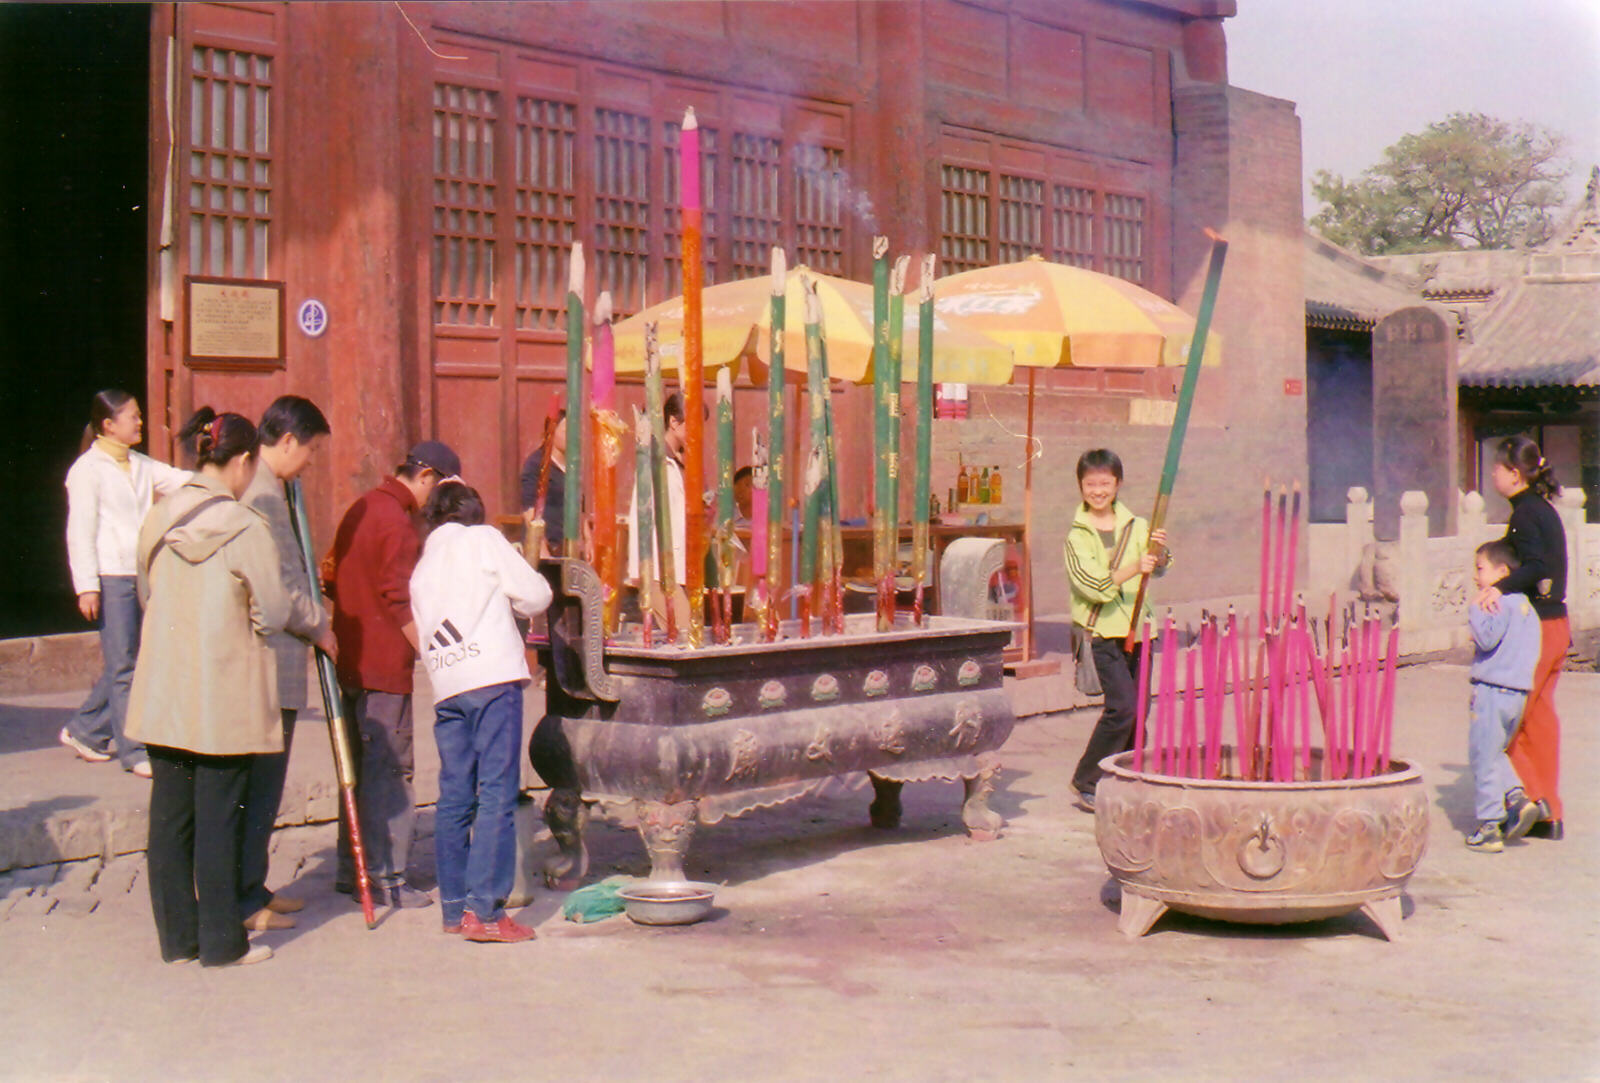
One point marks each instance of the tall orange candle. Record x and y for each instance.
(692, 375)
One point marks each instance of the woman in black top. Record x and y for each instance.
(1535, 532)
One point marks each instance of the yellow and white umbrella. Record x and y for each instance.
(736, 324)
(1051, 314)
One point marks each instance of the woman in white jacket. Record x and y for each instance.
(464, 591)
(110, 488)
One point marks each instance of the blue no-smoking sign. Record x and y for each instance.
(312, 317)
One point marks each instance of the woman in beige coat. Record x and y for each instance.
(204, 697)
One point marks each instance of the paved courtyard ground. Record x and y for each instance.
(839, 952)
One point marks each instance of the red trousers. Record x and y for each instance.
(1535, 749)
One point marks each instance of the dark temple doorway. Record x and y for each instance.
(74, 90)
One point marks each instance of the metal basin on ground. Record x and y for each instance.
(1260, 852)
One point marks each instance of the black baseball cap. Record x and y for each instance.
(436, 456)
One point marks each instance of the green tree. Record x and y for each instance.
(1468, 181)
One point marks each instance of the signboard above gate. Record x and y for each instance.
(233, 323)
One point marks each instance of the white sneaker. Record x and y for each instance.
(142, 769)
(84, 751)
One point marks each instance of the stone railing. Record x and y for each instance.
(1431, 577)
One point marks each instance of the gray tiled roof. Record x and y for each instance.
(1542, 333)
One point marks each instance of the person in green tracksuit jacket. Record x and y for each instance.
(1107, 549)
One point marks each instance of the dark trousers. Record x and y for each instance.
(1113, 732)
(385, 764)
(262, 796)
(195, 827)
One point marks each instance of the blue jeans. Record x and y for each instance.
(1495, 714)
(99, 722)
(479, 734)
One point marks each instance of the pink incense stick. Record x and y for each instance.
(1256, 765)
(1213, 679)
(1294, 549)
(1239, 693)
(1266, 547)
(1374, 666)
(1306, 663)
(1386, 724)
(1291, 679)
(1142, 702)
(1166, 704)
(1347, 711)
(1320, 681)
(1187, 768)
(1358, 735)
(1278, 600)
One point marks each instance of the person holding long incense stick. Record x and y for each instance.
(1107, 549)
(1522, 476)
(292, 430)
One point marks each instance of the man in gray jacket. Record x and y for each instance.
(292, 430)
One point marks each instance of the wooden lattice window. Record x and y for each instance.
(230, 162)
(463, 205)
(547, 210)
(1021, 218)
(963, 218)
(1124, 236)
(755, 165)
(622, 207)
(672, 209)
(1072, 226)
(821, 190)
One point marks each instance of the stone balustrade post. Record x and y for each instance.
(1413, 565)
(1358, 530)
(1582, 609)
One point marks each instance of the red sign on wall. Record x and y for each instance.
(1294, 387)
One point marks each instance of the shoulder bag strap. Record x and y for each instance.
(1116, 562)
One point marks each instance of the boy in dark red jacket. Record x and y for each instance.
(369, 577)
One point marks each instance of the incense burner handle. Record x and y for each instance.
(1262, 853)
(577, 631)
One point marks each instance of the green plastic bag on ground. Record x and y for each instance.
(596, 902)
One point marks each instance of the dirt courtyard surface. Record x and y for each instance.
(840, 952)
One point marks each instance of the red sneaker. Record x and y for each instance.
(501, 931)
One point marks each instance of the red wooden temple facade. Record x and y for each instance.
(422, 170)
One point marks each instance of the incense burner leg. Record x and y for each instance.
(1386, 914)
(982, 822)
(667, 830)
(1138, 914)
(885, 807)
(566, 815)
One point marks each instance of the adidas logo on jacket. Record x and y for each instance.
(463, 592)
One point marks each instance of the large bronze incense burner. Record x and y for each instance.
(1260, 852)
(689, 737)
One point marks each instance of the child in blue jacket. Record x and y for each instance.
(1506, 649)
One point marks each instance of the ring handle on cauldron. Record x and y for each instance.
(1262, 853)
(578, 654)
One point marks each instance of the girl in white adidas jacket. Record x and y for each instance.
(464, 591)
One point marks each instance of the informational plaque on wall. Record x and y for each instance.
(233, 323)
